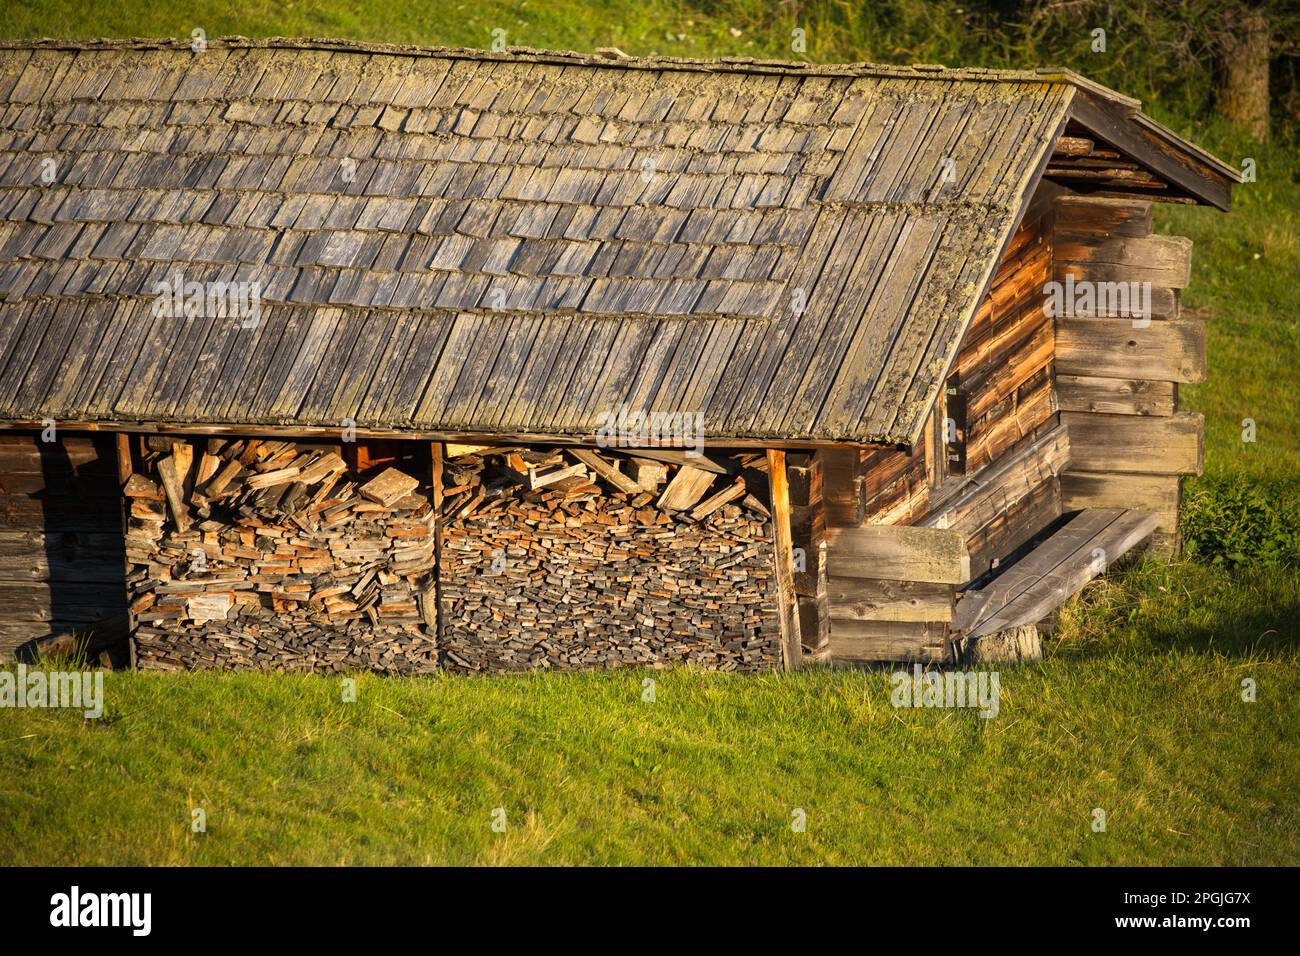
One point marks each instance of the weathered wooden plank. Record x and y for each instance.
(865, 599)
(871, 641)
(783, 545)
(1072, 146)
(898, 553)
(1172, 351)
(976, 605)
(1115, 396)
(700, 461)
(606, 469)
(686, 488)
(83, 601)
(1090, 216)
(122, 445)
(715, 501)
(172, 487)
(1165, 445)
(386, 487)
(1111, 301)
(1163, 261)
(1157, 494)
(1050, 587)
(538, 480)
(64, 555)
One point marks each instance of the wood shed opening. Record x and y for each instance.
(368, 456)
(62, 561)
(410, 556)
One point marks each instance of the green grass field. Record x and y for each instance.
(1136, 710)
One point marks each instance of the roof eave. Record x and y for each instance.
(1163, 152)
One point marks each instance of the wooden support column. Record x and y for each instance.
(431, 600)
(125, 468)
(783, 547)
(842, 486)
(808, 532)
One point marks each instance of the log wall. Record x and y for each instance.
(61, 555)
(1118, 378)
(1005, 363)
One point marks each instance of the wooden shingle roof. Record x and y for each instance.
(462, 242)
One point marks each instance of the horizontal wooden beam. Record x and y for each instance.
(1115, 396)
(1148, 445)
(1161, 260)
(1090, 216)
(83, 601)
(898, 553)
(865, 599)
(871, 641)
(1172, 351)
(1164, 302)
(1158, 494)
(334, 433)
(68, 557)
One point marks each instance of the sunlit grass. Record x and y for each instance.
(1136, 710)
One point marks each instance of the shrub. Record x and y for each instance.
(1238, 521)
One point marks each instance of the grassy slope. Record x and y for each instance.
(709, 773)
(1136, 710)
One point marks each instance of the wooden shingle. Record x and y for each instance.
(446, 240)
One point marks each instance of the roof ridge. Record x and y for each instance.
(604, 58)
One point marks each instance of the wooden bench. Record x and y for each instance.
(1045, 578)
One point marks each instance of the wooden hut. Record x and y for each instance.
(318, 354)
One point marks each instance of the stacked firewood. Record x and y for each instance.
(574, 558)
(267, 555)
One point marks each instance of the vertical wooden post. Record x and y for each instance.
(435, 477)
(808, 533)
(437, 452)
(125, 468)
(783, 545)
